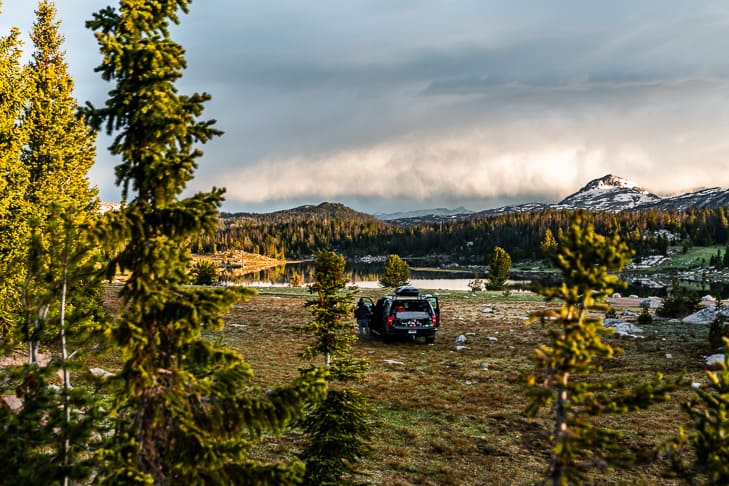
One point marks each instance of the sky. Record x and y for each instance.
(393, 105)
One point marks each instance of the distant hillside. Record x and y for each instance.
(299, 232)
(324, 211)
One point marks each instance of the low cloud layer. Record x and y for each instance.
(412, 104)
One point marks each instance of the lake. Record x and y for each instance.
(364, 275)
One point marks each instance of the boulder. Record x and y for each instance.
(714, 359)
(651, 302)
(623, 328)
(704, 316)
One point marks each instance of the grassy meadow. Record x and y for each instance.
(455, 417)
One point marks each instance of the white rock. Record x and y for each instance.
(100, 372)
(492, 338)
(709, 298)
(623, 328)
(393, 362)
(461, 339)
(616, 295)
(704, 316)
(695, 385)
(669, 356)
(461, 348)
(714, 359)
(487, 310)
(484, 366)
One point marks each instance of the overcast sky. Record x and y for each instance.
(387, 105)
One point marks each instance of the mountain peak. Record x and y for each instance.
(610, 182)
(610, 193)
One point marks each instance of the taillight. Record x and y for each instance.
(389, 321)
(435, 320)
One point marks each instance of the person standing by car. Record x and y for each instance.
(363, 314)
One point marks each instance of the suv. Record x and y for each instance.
(407, 313)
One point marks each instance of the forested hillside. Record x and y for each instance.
(298, 232)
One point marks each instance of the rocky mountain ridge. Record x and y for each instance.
(607, 193)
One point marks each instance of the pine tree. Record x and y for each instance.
(47, 440)
(14, 179)
(709, 439)
(548, 245)
(563, 365)
(58, 155)
(396, 272)
(338, 426)
(498, 269)
(185, 410)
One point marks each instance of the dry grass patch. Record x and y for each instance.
(454, 417)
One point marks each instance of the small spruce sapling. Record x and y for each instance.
(338, 426)
(563, 365)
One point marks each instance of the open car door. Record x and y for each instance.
(433, 300)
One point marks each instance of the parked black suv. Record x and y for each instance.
(407, 313)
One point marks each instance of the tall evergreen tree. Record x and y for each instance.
(499, 266)
(59, 152)
(47, 439)
(186, 412)
(564, 364)
(338, 426)
(14, 209)
(709, 436)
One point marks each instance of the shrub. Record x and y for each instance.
(397, 272)
(645, 317)
(681, 302)
(204, 273)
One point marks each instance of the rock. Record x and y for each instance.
(714, 359)
(695, 385)
(393, 362)
(492, 338)
(633, 296)
(100, 372)
(461, 348)
(484, 366)
(13, 403)
(651, 302)
(669, 356)
(617, 295)
(704, 316)
(627, 313)
(623, 328)
(708, 298)
(461, 339)
(487, 310)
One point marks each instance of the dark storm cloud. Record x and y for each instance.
(480, 103)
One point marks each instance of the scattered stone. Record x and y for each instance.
(627, 313)
(695, 384)
(652, 303)
(492, 338)
(461, 339)
(669, 356)
(714, 359)
(461, 348)
(708, 298)
(393, 362)
(12, 402)
(617, 295)
(633, 296)
(704, 316)
(100, 372)
(484, 366)
(487, 310)
(470, 334)
(623, 328)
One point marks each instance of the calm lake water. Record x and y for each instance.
(364, 275)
